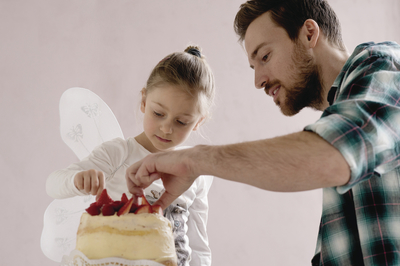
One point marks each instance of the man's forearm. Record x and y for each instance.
(295, 162)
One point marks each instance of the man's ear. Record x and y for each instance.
(198, 123)
(309, 33)
(143, 101)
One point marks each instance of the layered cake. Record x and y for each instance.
(126, 229)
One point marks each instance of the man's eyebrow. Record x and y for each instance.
(254, 53)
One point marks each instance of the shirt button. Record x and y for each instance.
(177, 223)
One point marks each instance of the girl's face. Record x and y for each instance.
(170, 115)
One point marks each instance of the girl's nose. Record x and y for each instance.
(166, 127)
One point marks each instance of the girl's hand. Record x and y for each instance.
(91, 181)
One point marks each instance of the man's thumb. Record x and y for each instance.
(165, 200)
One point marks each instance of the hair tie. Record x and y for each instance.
(194, 52)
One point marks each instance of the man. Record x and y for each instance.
(296, 51)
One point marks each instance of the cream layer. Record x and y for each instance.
(131, 236)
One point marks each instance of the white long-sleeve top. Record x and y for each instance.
(188, 214)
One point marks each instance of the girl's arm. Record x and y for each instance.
(197, 224)
(105, 158)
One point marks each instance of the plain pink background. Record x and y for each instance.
(110, 47)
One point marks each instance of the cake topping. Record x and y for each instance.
(126, 208)
(94, 209)
(107, 210)
(144, 209)
(104, 198)
(124, 198)
(107, 206)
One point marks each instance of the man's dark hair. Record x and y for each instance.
(291, 15)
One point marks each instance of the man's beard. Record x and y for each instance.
(307, 88)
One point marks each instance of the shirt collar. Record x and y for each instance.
(331, 95)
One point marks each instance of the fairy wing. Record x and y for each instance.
(86, 121)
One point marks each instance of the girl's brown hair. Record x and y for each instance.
(189, 71)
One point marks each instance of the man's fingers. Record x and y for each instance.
(165, 200)
(136, 191)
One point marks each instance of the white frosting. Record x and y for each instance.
(130, 236)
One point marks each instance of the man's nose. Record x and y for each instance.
(260, 78)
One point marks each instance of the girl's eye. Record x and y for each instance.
(182, 123)
(157, 114)
(265, 58)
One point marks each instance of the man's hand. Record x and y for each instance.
(90, 181)
(172, 168)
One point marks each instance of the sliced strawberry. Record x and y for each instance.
(104, 198)
(134, 207)
(93, 204)
(126, 208)
(117, 205)
(93, 209)
(107, 210)
(157, 209)
(143, 209)
(124, 198)
(144, 201)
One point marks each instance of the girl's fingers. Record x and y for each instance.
(101, 184)
(94, 184)
(87, 181)
(79, 181)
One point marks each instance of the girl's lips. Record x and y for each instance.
(163, 140)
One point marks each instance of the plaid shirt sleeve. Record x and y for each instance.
(360, 222)
(364, 121)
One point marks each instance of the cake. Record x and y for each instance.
(127, 230)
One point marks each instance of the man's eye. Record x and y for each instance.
(265, 58)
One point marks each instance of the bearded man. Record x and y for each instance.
(352, 151)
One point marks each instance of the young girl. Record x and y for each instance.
(175, 102)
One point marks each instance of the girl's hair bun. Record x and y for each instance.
(194, 50)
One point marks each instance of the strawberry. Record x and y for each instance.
(126, 208)
(93, 209)
(107, 210)
(143, 209)
(133, 208)
(157, 209)
(144, 201)
(124, 198)
(104, 198)
(117, 205)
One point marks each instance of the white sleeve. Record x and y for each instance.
(107, 157)
(197, 224)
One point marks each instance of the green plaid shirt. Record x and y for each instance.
(360, 223)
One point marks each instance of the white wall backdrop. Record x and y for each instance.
(110, 47)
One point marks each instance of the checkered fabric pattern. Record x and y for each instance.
(360, 223)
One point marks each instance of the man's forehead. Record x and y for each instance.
(259, 31)
(262, 31)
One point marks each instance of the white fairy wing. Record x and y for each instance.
(61, 221)
(86, 121)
